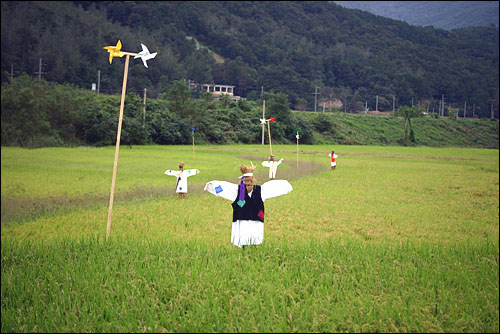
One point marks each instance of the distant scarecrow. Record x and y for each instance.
(182, 175)
(272, 165)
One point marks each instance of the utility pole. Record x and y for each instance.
(441, 112)
(98, 80)
(315, 97)
(393, 103)
(376, 104)
(40, 69)
(465, 108)
(144, 112)
(491, 115)
(443, 104)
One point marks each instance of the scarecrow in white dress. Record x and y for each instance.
(334, 159)
(248, 204)
(273, 166)
(182, 175)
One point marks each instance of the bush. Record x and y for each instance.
(322, 124)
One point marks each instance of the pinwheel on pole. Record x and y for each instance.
(297, 136)
(115, 51)
(264, 121)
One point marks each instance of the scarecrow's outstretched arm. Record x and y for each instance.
(173, 172)
(275, 188)
(222, 189)
(266, 163)
(191, 172)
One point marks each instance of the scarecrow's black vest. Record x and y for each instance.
(253, 206)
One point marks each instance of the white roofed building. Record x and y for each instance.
(215, 89)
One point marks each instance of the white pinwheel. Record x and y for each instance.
(145, 55)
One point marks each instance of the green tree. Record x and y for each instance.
(279, 107)
(408, 113)
(302, 104)
(178, 98)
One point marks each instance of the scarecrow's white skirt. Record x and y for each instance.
(247, 232)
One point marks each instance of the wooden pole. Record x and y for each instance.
(297, 148)
(263, 117)
(144, 110)
(192, 135)
(269, 132)
(117, 148)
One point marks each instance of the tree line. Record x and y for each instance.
(36, 113)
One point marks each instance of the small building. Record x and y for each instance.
(335, 103)
(215, 89)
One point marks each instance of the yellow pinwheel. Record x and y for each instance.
(114, 51)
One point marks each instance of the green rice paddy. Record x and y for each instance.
(394, 240)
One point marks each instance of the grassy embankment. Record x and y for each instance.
(388, 130)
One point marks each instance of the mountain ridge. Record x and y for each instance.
(446, 15)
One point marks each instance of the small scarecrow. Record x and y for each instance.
(273, 166)
(182, 175)
(334, 159)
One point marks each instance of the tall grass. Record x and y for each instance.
(124, 285)
(394, 240)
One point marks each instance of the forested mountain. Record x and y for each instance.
(288, 47)
(440, 14)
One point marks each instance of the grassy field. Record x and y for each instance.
(394, 240)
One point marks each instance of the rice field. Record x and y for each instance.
(395, 239)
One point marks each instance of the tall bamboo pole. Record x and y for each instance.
(117, 147)
(263, 117)
(269, 132)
